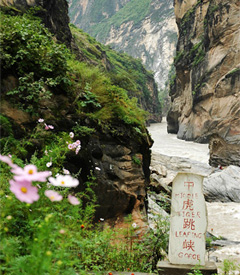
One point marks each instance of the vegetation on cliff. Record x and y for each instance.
(53, 107)
(123, 70)
(41, 69)
(134, 10)
(143, 29)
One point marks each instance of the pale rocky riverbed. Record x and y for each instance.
(223, 218)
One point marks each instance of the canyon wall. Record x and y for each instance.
(205, 91)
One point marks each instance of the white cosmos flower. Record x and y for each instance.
(65, 171)
(64, 181)
(71, 134)
(77, 149)
(49, 164)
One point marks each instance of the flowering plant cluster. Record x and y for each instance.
(47, 127)
(22, 187)
(75, 146)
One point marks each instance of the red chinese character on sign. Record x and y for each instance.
(189, 184)
(189, 224)
(188, 245)
(188, 204)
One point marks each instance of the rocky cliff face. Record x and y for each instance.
(144, 29)
(206, 90)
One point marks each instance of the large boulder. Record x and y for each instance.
(223, 186)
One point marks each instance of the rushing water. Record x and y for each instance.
(170, 145)
(223, 218)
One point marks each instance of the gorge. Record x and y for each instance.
(90, 94)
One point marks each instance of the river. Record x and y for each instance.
(170, 145)
(223, 218)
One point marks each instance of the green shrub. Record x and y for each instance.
(6, 126)
(83, 131)
(27, 46)
(29, 52)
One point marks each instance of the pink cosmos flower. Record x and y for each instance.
(78, 142)
(24, 191)
(70, 147)
(47, 127)
(64, 181)
(41, 120)
(73, 200)
(8, 160)
(62, 231)
(53, 195)
(29, 173)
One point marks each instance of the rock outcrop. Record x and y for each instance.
(143, 29)
(206, 90)
(223, 153)
(223, 186)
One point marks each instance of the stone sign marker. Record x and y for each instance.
(188, 222)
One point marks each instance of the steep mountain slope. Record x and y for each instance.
(144, 29)
(205, 92)
(123, 70)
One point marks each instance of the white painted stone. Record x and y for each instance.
(188, 222)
